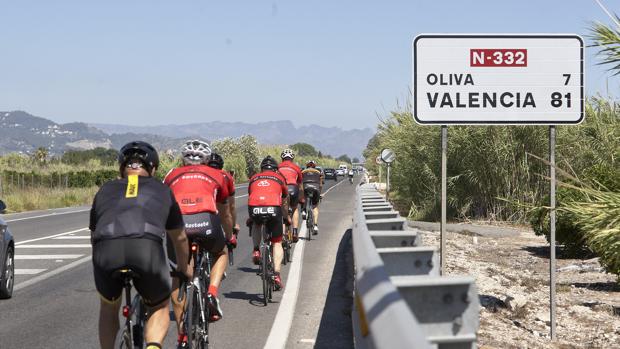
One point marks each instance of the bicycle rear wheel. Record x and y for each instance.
(310, 223)
(123, 339)
(194, 325)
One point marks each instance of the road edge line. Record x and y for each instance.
(278, 335)
(50, 236)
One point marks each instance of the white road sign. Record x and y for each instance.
(387, 155)
(498, 79)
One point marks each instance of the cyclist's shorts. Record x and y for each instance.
(314, 189)
(271, 216)
(293, 194)
(145, 257)
(203, 228)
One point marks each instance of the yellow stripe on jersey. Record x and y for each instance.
(132, 186)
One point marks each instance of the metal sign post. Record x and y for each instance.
(387, 156)
(444, 184)
(499, 79)
(552, 317)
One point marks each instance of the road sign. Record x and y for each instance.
(498, 79)
(387, 156)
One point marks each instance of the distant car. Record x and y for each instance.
(330, 173)
(340, 172)
(7, 258)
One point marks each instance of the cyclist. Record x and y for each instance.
(312, 183)
(216, 161)
(351, 176)
(202, 195)
(129, 220)
(292, 174)
(267, 190)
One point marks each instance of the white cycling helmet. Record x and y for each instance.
(287, 154)
(195, 152)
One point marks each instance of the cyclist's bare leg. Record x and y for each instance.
(315, 212)
(218, 268)
(157, 323)
(296, 218)
(108, 323)
(177, 307)
(278, 254)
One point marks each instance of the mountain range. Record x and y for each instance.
(23, 132)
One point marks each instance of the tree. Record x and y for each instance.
(41, 154)
(304, 149)
(320, 155)
(356, 160)
(344, 158)
(608, 39)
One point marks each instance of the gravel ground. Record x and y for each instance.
(512, 276)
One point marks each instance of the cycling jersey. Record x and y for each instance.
(312, 175)
(197, 188)
(267, 188)
(134, 207)
(290, 171)
(230, 182)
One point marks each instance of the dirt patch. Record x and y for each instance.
(512, 276)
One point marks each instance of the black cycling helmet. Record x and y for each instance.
(141, 151)
(269, 163)
(215, 161)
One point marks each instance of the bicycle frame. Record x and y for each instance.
(198, 285)
(132, 334)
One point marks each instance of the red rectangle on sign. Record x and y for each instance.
(501, 57)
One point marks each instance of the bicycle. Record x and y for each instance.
(131, 336)
(287, 239)
(309, 214)
(266, 268)
(197, 314)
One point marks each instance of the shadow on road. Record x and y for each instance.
(335, 330)
(248, 270)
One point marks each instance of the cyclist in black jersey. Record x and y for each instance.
(129, 220)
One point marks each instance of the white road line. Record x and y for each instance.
(46, 215)
(241, 196)
(47, 256)
(50, 236)
(55, 246)
(278, 336)
(28, 271)
(71, 237)
(286, 312)
(42, 277)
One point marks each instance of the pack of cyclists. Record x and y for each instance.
(140, 223)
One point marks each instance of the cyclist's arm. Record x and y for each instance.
(180, 243)
(226, 218)
(233, 210)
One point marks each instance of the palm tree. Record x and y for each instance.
(41, 154)
(607, 38)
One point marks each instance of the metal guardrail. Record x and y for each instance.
(400, 299)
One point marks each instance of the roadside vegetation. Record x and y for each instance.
(498, 173)
(40, 181)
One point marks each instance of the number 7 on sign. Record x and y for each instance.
(567, 76)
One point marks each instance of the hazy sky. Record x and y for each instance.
(328, 62)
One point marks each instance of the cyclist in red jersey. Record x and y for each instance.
(216, 161)
(202, 195)
(292, 173)
(267, 189)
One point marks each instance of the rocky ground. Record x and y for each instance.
(512, 276)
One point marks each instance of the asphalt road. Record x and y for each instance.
(55, 304)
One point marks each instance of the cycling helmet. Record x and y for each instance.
(287, 154)
(269, 163)
(215, 161)
(195, 151)
(311, 163)
(138, 150)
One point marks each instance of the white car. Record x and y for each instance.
(340, 172)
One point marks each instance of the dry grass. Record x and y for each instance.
(45, 198)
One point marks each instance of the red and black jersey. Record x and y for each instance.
(290, 171)
(267, 188)
(197, 188)
(230, 182)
